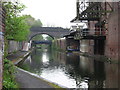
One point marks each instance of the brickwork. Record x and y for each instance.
(1, 42)
(112, 27)
(0, 51)
(54, 32)
(111, 47)
(119, 32)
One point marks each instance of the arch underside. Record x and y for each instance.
(51, 34)
(35, 34)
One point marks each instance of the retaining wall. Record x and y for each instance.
(14, 46)
(60, 44)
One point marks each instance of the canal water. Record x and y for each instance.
(71, 70)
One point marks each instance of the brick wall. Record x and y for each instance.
(111, 47)
(2, 13)
(119, 31)
(112, 42)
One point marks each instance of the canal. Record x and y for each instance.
(71, 70)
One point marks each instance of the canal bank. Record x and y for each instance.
(71, 70)
(24, 78)
(18, 56)
(68, 69)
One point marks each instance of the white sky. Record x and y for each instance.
(56, 13)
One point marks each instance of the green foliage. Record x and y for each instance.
(13, 9)
(5, 47)
(42, 37)
(37, 23)
(38, 37)
(49, 38)
(8, 77)
(32, 22)
(16, 27)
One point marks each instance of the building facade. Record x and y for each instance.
(102, 34)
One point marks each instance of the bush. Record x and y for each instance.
(8, 75)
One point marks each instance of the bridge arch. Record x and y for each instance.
(40, 34)
(54, 32)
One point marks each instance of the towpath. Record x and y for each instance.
(24, 79)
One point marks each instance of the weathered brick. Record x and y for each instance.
(2, 17)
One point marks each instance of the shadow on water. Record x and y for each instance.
(71, 70)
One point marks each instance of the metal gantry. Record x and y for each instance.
(91, 11)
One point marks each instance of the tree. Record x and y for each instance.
(32, 22)
(38, 37)
(16, 27)
(37, 23)
(49, 38)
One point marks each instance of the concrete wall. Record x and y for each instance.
(60, 44)
(25, 46)
(84, 45)
(14, 46)
(63, 44)
(87, 46)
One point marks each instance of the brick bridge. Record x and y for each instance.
(54, 32)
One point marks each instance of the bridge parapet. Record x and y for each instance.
(54, 32)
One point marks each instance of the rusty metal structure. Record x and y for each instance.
(92, 11)
(102, 32)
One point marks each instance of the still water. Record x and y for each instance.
(71, 70)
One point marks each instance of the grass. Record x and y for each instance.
(56, 86)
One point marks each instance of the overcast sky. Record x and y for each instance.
(57, 13)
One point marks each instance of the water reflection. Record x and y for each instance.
(72, 70)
